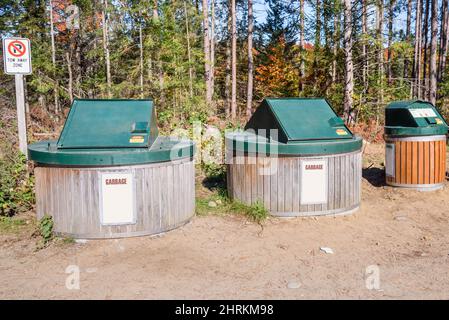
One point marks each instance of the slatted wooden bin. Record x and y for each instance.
(114, 178)
(415, 145)
(297, 158)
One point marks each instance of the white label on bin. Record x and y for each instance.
(313, 182)
(423, 113)
(389, 160)
(116, 199)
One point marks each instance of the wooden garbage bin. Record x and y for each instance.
(110, 174)
(415, 145)
(297, 158)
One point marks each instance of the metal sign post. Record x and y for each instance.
(17, 61)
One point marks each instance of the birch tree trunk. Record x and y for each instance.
(212, 51)
(380, 51)
(160, 66)
(390, 39)
(249, 101)
(444, 32)
(106, 47)
(189, 54)
(318, 24)
(228, 64)
(407, 36)
(433, 54)
(349, 73)
(53, 60)
(141, 58)
(69, 71)
(416, 92)
(234, 62)
(425, 33)
(365, 46)
(302, 68)
(206, 48)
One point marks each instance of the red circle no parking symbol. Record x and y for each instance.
(16, 48)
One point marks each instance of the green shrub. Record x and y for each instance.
(46, 228)
(16, 184)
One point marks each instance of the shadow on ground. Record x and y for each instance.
(375, 176)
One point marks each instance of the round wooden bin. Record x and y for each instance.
(415, 145)
(298, 179)
(87, 191)
(416, 162)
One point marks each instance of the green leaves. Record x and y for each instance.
(16, 185)
(46, 228)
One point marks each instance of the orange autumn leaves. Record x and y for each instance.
(278, 75)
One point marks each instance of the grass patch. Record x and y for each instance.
(10, 224)
(220, 205)
(214, 204)
(255, 212)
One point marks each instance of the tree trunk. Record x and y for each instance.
(212, 51)
(206, 48)
(249, 101)
(155, 11)
(189, 54)
(425, 33)
(53, 61)
(69, 70)
(349, 75)
(228, 64)
(365, 46)
(318, 24)
(234, 62)
(106, 47)
(433, 53)
(407, 36)
(380, 51)
(160, 67)
(141, 58)
(302, 68)
(444, 32)
(416, 92)
(390, 39)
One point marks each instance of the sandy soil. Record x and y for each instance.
(405, 233)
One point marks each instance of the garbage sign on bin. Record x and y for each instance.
(111, 175)
(415, 145)
(297, 157)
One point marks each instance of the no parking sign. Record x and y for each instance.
(17, 56)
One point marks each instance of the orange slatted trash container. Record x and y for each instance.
(415, 145)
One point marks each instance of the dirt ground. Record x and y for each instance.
(404, 233)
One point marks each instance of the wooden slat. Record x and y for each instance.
(408, 170)
(437, 162)
(421, 167)
(414, 163)
(432, 162)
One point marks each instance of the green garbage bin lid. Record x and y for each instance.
(109, 123)
(163, 149)
(246, 142)
(294, 126)
(298, 119)
(414, 118)
(109, 133)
